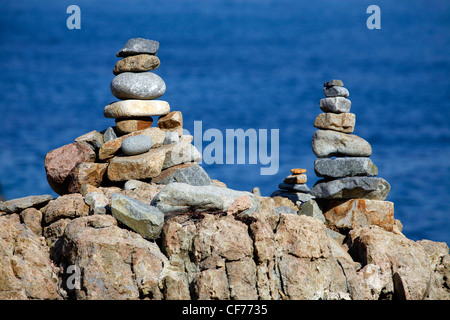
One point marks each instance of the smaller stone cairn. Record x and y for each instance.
(294, 187)
(133, 149)
(349, 194)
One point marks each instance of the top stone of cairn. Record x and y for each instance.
(332, 83)
(137, 46)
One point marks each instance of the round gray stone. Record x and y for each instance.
(142, 85)
(335, 91)
(136, 145)
(335, 105)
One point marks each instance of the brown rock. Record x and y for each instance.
(108, 150)
(32, 217)
(60, 162)
(172, 120)
(296, 179)
(403, 266)
(86, 173)
(242, 279)
(354, 213)
(212, 284)
(142, 166)
(342, 122)
(19, 204)
(67, 206)
(116, 263)
(284, 202)
(128, 125)
(26, 271)
(242, 203)
(298, 171)
(137, 63)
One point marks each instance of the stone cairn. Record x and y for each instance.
(349, 194)
(133, 150)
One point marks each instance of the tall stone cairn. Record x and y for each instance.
(133, 149)
(350, 193)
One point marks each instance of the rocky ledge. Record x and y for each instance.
(138, 218)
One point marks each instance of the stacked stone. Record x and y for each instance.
(133, 149)
(349, 193)
(294, 187)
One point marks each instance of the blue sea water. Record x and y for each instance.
(241, 64)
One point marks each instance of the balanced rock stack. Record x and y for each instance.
(133, 149)
(349, 193)
(294, 187)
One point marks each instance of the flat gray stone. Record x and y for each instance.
(336, 236)
(284, 209)
(332, 83)
(335, 105)
(193, 175)
(181, 198)
(311, 208)
(135, 145)
(294, 187)
(371, 188)
(109, 134)
(344, 167)
(137, 46)
(19, 204)
(140, 217)
(329, 143)
(293, 196)
(335, 91)
(141, 85)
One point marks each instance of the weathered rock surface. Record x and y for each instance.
(115, 263)
(335, 91)
(354, 213)
(180, 198)
(344, 167)
(67, 206)
(296, 179)
(32, 217)
(371, 188)
(342, 122)
(26, 271)
(86, 173)
(142, 85)
(93, 139)
(137, 63)
(60, 162)
(293, 196)
(136, 108)
(128, 125)
(19, 204)
(328, 143)
(140, 217)
(170, 121)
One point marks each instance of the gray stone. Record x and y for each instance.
(142, 85)
(136, 145)
(109, 134)
(256, 191)
(332, 83)
(19, 204)
(193, 175)
(335, 105)
(328, 143)
(284, 209)
(140, 217)
(311, 208)
(172, 137)
(134, 184)
(183, 152)
(97, 202)
(137, 46)
(335, 91)
(371, 188)
(344, 167)
(181, 198)
(294, 187)
(93, 139)
(293, 196)
(338, 237)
